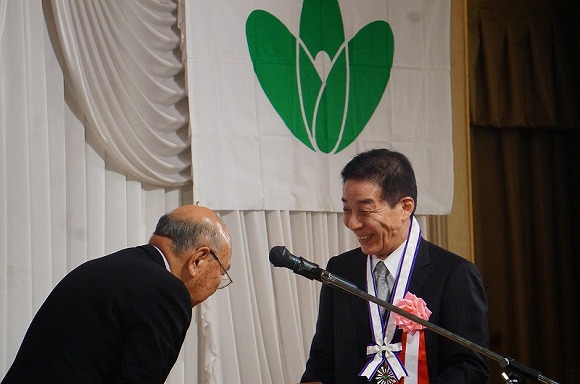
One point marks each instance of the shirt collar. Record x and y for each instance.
(164, 259)
(392, 262)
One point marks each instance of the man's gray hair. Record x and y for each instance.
(188, 234)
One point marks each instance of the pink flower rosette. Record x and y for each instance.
(415, 306)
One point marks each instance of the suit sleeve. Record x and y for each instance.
(463, 312)
(155, 329)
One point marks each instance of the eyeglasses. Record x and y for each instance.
(226, 279)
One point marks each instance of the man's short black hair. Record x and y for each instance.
(392, 171)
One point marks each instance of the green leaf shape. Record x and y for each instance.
(330, 113)
(273, 51)
(325, 106)
(321, 30)
(321, 27)
(370, 53)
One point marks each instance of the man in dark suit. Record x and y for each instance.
(122, 318)
(379, 199)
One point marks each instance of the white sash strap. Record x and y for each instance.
(412, 357)
(383, 349)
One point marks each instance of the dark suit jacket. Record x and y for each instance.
(121, 318)
(452, 288)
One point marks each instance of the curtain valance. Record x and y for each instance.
(129, 83)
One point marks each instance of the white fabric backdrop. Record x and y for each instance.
(61, 200)
(233, 122)
(3, 4)
(64, 200)
(129, 83)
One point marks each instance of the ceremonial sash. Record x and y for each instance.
(383, 350)
(414, 357)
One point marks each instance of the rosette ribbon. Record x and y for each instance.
(414, 354)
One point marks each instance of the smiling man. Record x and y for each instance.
(356, 341)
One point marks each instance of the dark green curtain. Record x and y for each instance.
(525, 144)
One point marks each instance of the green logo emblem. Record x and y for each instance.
(325, 106)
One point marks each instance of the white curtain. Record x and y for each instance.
(3, 4)
(260, 327)
(62, 199)
(129, 83)
(65, 196)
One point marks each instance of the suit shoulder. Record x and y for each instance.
(348, 256)
(347, 260)
(442, 254)
(130, 269)
(441, 259)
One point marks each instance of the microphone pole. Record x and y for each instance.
(281, 257)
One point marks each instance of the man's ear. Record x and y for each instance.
(408, 205)
(198, 256)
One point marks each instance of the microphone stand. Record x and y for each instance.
(519, 371)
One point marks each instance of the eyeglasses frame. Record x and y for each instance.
(229, 281)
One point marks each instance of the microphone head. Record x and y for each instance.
(281, 257)
(277, 255)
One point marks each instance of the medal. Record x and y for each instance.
(385, 375)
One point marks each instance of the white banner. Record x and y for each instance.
(284, 93)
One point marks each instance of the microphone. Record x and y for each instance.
(281, 257)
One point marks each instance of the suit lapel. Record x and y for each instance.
(361, 306)
(420, 270)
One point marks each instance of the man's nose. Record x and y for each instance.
(353, 222)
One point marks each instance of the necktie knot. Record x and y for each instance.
(381, 270)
